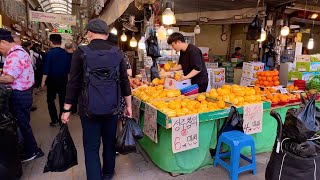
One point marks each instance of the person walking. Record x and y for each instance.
(106, 78)
(55, 76)
(18, 72)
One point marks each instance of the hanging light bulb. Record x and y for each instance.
(285, 31)
(197, 29)
(114, 31)
(168, 16)
(263, 36)
(123, 37)
(310, 43)
(141, 44)
(133, 41)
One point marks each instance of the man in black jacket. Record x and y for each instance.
(94, 128)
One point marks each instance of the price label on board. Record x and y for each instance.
(150, 123)
(185, 133)
(136, 103)
(252, 118)
(283, 90)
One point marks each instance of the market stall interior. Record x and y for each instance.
(270, 71)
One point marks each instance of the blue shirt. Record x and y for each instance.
(57, 63)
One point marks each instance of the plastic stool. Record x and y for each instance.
(236, 140)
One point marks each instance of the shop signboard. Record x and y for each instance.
(252, 118)
(136, 103)
(150, 123)
(52, 18)
(185, 133)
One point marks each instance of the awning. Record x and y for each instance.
(114, 10)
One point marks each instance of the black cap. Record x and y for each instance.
(5, 35)
(97, 26)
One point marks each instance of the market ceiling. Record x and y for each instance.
(187, 6)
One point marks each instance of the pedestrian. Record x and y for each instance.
(55, 76)
(27, 46)
(38, 60)
(18, 72)
(98, 108)
(190, 61)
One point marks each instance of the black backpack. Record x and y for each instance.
(39, 61)
(101, 88)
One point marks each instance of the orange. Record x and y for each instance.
(221, 104)
(267, 74)
(260, 78)
(257, 82)
(264, 78)
(269, 79)
(275, 100)
(266, 83)
(275, 78)
(276, 83)
(276, 72)
(270, 97)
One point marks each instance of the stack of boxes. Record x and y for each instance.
(229, 67)
(249, 72)
(217, 77)
(306, 67)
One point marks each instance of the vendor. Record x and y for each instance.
(237, 53)
(190, 61)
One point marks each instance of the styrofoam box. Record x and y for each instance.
(303, 58)
(171, 83)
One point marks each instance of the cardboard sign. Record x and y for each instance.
(136, 103)
(283, 90)
(246, 81)
(150, 123)
(252, 118)
(185, 133)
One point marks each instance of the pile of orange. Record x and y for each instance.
(267, 79)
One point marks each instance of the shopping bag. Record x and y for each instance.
(301, 124)
(126, 141)
(233, 122)
(63, 153)
(10, 164)
(5, 92)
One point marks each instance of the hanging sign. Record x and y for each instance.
(150, 123)
(252, 118)
(52, 18)
(136, 103)
(185, 133)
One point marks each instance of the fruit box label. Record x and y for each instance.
(174, 84)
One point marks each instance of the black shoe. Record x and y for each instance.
(53, 124)
(108, 176)
(33, 156)
(117, 153)
(33, 108)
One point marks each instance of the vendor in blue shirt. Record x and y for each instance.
(55, 75)
(190, 61)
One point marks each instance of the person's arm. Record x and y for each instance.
(74, 84)
(6, 79)
(192, 74)
(46, 68)
(125, 87)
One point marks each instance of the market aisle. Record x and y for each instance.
(132, 166)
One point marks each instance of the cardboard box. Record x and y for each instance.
(307, 66)
(249, 70)
(303, 58)
(171, 83)
(247, 81)
(219, 71)
(218, 78)
(295, 75)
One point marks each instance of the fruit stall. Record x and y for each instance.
(212, 109)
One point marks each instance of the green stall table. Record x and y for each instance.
(209, 123)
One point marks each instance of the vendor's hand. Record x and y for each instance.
(65, 117)
(183, 78)
(128, 111)
(43, 84)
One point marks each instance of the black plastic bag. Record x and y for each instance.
(126, 141)
(63, 153)
(152, 46)
(301, 123)
(10, 164)
(233, 122)
(305, 149)
(254, 29)
(5, 92)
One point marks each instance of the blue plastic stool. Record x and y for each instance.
(236, 140)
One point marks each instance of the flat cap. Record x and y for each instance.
(98, 26)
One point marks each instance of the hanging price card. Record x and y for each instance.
(136, 103)
(185, 133)
(252, 118)
(150, 123)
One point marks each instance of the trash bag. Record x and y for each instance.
(254, 29)
(304, 102)
(63, 153)
(152, 46)
(305, 149)
(126, 141)
(5, 92)
(301, 123)
(233, 122)
(284, 165)
(10, 164)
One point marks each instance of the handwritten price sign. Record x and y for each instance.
(252, 118)
(136, 103)
(150, 123)
(185, 133)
